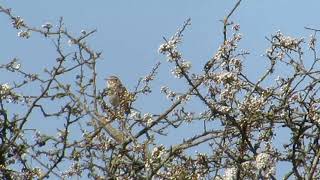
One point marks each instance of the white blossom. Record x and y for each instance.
(183, 98)
(135, 115)
(286, 41)
(169, 46)
(184, 68)
(47, 25)
(148, 118)
(148, 78)
(71, 42)
(157, 152)
(263, 160)
(224, 109)
(189, 116)
(18, 22)
(312, 42)
(24, 34)
(164, 89)
(83, 32)
(15, 65)
(226, 77)
(169, 94)
(4, 89)
(230, 173)
(170, 49)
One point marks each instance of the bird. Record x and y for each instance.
(118, 95)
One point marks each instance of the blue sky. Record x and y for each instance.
(130, 32)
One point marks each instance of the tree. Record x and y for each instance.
(240, 116)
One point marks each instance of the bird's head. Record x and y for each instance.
(113, 81)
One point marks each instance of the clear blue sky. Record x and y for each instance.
(130, 32)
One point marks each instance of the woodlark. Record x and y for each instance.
(118, 95)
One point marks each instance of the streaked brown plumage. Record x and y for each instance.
(118, 94)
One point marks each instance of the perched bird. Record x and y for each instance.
(118, 94)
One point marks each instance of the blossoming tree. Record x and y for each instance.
(241, 116)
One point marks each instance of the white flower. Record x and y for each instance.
(230, 173)
(18, 22)
(148, 118)
(135, 115)
(157, 152)
(169, 94)
(184, 68)
(71, 42)
(312, 42)
(47, 25)
(183, 98)
(164, 89)
(226, 77)
(286, 41)
(174, 55)
(148, 78)
(169, 46)
(224, 109)
(4, 89)
(83, 32)
(262, 160)
(24, 34)
(16, 65)
(189, 116)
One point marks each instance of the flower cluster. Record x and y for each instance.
(148, 118)
(4, 89)
(224, 109)
(169, 93)
(237, 64)
(266, 163)
(149, 78)
(135, 115)
(228, 93)
(157, 152)
(249, 168)
(9, 95)
(170, 48)
(225, 77)
(262, 160)
(75, 169)
(13, 65)
(24, 34)
(287, 42)
(17, 22)
(16, 65)
(183, 98)
(230, 173)
(229, 46)
(312, 42)
(71, 42)
(253, 104)
(182, 68)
